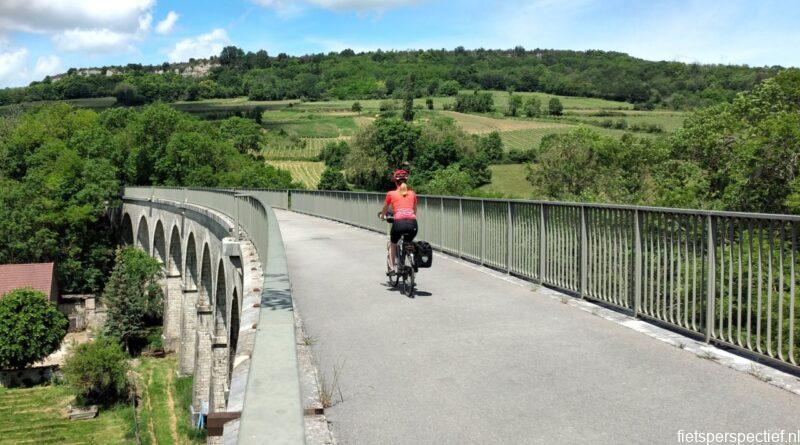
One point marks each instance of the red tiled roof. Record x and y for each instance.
(38, 276)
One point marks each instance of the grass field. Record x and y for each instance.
(509, 180)
(309, 125)
(163, 413)
(477, 124)
(569, 102)
(38, 416)
(306, 172)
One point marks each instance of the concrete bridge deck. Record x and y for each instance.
(476, 359)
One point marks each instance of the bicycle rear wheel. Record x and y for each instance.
(409, 286)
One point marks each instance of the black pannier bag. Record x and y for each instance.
(424, 257)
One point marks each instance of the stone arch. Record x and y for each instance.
(221, 302)
(174, 260)
(160, 244)
(234, 333)
(143, 235)
(189, 309)
(206, 286)
(191, 264)
(127, 229)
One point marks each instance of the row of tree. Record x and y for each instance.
(379, 74)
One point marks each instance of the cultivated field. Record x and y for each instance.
(306, 172)
(477, 124)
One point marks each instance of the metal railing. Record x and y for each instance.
(727, 276)
(275, 411)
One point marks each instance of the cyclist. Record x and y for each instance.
(403, 201)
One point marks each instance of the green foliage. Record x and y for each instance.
(97, 371)
(585, 165)
(533, 107)
(244, 134)
(379, 74)
(429, 103)
(478, 102)
(408, 100)
(449, 88)
(332, 179)
(127, 94)
(334, 154)
(514, 105)
(133, 296)
(356, 108)
(554, 107)
(491, 147)
(31, 328)
(388, 144)
(449, 181)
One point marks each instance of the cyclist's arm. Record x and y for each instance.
(386, 203)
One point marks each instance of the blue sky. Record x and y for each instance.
(40, 37)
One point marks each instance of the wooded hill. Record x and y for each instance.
(379, 74)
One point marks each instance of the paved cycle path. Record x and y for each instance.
(476, 359)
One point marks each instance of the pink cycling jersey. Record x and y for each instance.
(403, 206)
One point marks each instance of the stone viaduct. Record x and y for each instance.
(214, 289)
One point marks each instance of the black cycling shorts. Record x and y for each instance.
(406, 228)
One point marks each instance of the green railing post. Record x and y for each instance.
(584, 252)
(460, 228)
(509, 239)
(637, 266)
(711, 228)
(483, 232)
(542, 242)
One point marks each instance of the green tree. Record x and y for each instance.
(514, 104)
(334, 154)
(127, 94)
(97, 371)
(356, 108)
(408, 101)
(133, 296)
(332, 179)
(31, 328)
(449, 88)
(429, 103)
(449, 181)
(554, 107)
(244, 134)
(491, 146)
(533, 107)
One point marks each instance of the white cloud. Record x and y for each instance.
(60, 15)
(15, 68)
(289, 8)
(12, 67)
(165, 26)
(96, 41)
(47, 66)
(204, 45)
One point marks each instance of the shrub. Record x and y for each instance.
(334, 153)
(356, 108)
(533, 107)
(429, 103)
(478, 102)
(332, 180)
(31, 328)
(554, 107)
(449, 88)
(97, 372)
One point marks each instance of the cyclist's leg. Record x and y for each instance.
(394, 236)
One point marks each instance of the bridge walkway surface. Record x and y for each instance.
(478, 359)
